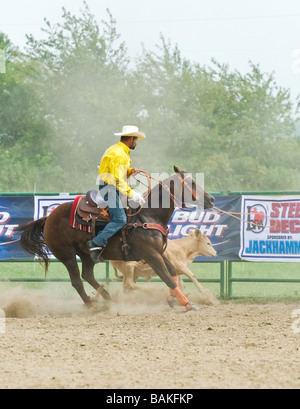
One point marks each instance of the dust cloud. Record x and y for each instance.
(23, 303)
(26, 303)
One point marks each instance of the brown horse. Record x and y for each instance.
(145, 237)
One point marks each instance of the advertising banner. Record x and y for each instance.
(14, 211)
(44, 205)
(271, 230)
(222, 229)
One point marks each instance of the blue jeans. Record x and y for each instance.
(117, 214)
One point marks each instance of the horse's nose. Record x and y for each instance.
(212, 200)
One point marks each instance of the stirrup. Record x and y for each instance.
(95, 254)
(95, 251)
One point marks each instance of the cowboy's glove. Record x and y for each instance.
(138, 198)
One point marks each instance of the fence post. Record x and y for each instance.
(222, 279)
(106, 271)
(230, 265)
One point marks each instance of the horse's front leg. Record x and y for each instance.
(158, 264)
(176, 294)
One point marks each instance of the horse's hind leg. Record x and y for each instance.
(88, 275)
(73, 269)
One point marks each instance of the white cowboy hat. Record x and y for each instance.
(131, 130)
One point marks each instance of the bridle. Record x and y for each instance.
(184, 185)
(154, 226)
(183, 181)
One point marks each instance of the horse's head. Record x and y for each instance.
(192, 192)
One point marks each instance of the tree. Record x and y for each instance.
(61, 103)
(85, 92)
(25, 158)
(222, 123)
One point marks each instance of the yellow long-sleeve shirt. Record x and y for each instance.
(114, 168)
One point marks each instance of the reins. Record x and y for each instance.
(163, 185)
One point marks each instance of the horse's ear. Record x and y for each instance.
(177, 169)
(192, 233)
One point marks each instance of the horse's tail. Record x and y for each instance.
(32, 240)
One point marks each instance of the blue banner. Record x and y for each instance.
(14, 211)
(223, 230)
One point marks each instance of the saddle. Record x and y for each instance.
(92, 208)
(93, 211)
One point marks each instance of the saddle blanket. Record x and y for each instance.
(78, 223)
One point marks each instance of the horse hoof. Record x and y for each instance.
(105, 294)
(89, 303)
(171, 301)
(101, 291)
(191, 307)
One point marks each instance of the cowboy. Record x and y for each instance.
(114, 169)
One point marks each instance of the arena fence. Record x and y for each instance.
(108, 278)
(225, 281)
(226, 277)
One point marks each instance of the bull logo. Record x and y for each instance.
(47, 210)
(256, 218)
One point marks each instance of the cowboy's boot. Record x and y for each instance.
(95, 251)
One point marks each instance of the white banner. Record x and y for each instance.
(271, 228)
(44, 205)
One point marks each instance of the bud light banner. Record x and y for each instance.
(222, 229)
(271, 230)
(14, 211)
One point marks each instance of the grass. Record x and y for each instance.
(203, 271)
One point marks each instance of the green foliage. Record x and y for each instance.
(24, 155)
(221, 123)
(61, 103)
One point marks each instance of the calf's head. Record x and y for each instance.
(202, 244)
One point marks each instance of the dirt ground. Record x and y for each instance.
(138, 342)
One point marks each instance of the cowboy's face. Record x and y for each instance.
(133, 142)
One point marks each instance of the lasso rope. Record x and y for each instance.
(173, 198)
(234, 215)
